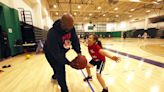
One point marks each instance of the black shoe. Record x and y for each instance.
(104, 90)
(89, 78)
(1, 71)
(4, 66)
(53, 77)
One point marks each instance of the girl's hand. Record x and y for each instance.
(115, 58)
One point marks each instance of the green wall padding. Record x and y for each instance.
(2, 21)
(129, 33)
(16, 28)
(11, 21)
(112, 34)
(115, 34)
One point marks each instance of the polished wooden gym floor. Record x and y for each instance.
(142, 74)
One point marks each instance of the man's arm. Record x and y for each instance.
(75, 42)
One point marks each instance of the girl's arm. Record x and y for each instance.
(106, 53)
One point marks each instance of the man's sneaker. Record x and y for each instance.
(104, 90)
(89, 78)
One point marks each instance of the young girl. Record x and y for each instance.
(98, 59)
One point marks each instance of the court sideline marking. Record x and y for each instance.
(153, 62)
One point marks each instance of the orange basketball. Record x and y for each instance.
(80, 62)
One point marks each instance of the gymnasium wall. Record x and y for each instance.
(141, 25)
(137, 24)
(144, 23)
(47, 22)
(7, 2)
(36, 9)
(21, 4)
(118, 32)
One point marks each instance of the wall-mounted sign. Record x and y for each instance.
(10, 30)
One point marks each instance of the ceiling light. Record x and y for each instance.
(86, 18)
(130, 16)
(115, 9)
(132, 9)
(99, 8)
(55, 6)
(159, 0)
(78, 6)
(117, 15)
(156, 2)
(135, 0)
(132, 20)
(90, 14)
(148, 11)
(75, 13)
(57, 13)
